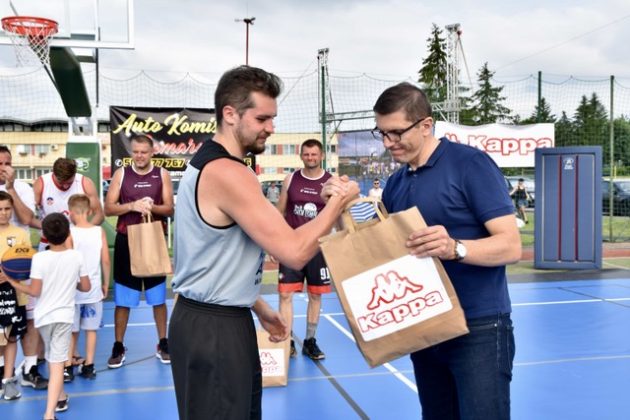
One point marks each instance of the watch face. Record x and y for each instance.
(461, 250)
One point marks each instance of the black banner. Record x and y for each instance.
(177, 134)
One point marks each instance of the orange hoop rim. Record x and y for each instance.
(30, 26)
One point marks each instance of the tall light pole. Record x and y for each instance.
(248, 21)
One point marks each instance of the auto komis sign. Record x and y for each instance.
(396, 295)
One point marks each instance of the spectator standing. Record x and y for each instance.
(136, 191)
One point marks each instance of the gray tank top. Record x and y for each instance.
(221, 265)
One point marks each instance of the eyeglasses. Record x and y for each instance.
(395, 135)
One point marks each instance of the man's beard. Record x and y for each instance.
(250, 146)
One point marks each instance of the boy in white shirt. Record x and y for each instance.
(91, 241)
(55, 276)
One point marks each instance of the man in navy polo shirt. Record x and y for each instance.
(471, 227)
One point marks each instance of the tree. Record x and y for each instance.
(564, 131)
(591, 122)
(542, 114)
(487, 100)
(432, 75)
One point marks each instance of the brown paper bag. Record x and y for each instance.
(395, 303)
(147, 249)
(4, 335)
(274, 360)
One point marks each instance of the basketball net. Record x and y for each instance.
(31, 38)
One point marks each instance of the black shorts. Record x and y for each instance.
(215, 362)
(122, 267)
(315, 272)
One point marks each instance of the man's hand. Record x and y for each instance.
(9, 176)
(272, 321)
(340, 186)
(432, 241)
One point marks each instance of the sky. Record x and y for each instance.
(384, 39)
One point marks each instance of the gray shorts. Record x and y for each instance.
(56, 338)
(87, 316)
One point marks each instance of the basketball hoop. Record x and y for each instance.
(31, 38)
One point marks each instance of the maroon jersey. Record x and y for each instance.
(134, 187)
(303, 201)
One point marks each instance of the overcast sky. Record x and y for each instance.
(380, 38)
(580, 38)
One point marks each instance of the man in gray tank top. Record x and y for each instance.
(222, 225)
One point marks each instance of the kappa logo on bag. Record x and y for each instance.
(396, 295)
(272, 362)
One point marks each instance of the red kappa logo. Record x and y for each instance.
(390, 287)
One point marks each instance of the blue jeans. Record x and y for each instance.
(468, 377)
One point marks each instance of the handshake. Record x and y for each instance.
(340, 186)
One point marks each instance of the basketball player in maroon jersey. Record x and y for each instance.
(299, 203)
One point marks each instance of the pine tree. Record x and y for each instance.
(487, 101)
(564, 131)
(542, 114)
(432, 75)
(591, 122)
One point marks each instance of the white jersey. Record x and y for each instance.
(25, 192)
(54, 200)
(59, 272)
(89, 242)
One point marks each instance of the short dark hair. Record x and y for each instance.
(5, 196)
(236, 85)
(311, 143)
(56, 228)
(5, 149)
(64, 169)
(521, 180)
(142, 138)
(404, 97)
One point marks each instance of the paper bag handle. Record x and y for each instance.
(147, 218)
(379, 207)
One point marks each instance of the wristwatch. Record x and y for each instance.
(460, 250)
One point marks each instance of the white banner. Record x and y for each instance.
(509, 145)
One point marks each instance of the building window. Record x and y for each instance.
(42, 149)
(333, 148)
(288, 149)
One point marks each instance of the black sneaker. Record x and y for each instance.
(68, 374)
(33, 379)
(311, 349)
(162, 351)
(118, 356)
(292, 352)
(88, 372)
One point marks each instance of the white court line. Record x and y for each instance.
(387, 366)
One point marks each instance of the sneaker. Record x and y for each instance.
(10, 387)
(311, 349)
(118, 356)
(62, 405)
(88, 372)
(162, 351)
(292, 352)
(34, 379)
(68, 374)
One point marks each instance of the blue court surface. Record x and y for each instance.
(572, 362)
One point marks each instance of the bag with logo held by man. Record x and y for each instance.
(274, 360)
(147, 249)
(395, 303)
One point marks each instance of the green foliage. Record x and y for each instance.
(432, 75)
(487, 101)
(542, 114)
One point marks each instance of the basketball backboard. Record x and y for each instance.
(82, 23)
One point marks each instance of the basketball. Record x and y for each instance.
(16, 262)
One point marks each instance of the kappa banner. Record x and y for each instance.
(401, 293)
(509, 146)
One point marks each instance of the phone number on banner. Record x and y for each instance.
(166, 163)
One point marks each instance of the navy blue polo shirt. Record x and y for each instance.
(461, 188)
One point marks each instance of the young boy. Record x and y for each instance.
(91, 241)
(55, 274)
(12, 304)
